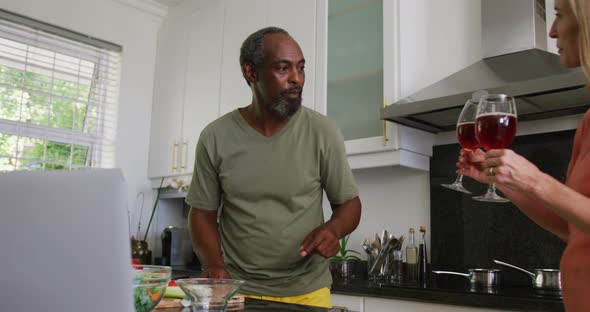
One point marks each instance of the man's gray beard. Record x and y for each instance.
(285, 108)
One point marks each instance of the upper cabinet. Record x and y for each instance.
(245, 17)
(426, 41)
(186, 88)
(362, 56)
(203, 77)
(355, 67)
(168, 100)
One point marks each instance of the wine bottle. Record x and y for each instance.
(422, 258)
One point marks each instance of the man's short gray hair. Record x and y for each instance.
(252, 51)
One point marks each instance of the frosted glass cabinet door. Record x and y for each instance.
(355, 67)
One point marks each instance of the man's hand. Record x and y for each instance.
(216, 272)
(322, 241)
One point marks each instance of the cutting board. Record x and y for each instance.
(236, 303)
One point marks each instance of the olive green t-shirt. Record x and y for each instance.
(269, 190)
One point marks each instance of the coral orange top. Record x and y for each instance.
(575, 262)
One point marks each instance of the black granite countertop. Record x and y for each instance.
(521, 298)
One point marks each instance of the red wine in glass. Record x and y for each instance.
(466, 135)
(496, 130)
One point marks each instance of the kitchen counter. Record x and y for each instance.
(521, 298)
(447, 291)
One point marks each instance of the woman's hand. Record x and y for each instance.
(470, 164)
(508, 169)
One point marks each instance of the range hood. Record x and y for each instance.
(514, 43)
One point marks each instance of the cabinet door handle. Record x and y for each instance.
(174, 148)
(183, 155)
(385, 139)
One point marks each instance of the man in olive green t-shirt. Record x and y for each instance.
(265, 167)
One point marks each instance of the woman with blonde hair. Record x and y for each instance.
(563, 209)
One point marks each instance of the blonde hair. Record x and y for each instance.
(581, 9)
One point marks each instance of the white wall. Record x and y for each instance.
(136, 31)
(394, 199)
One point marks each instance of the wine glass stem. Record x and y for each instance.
(459, 179)
(492, 188)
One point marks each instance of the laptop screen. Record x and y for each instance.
(64, 241)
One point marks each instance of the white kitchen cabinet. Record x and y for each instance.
(362, 54)
(198, 77)
(351, 303)
(203, 79)
(245, 17)
(423, 42)
(168, 99)
(392, 305)
(186, 88)
(428, 40)
(241, 19)
(355, 67)
(372, 304)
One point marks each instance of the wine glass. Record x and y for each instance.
(495, 128)
(466, 137)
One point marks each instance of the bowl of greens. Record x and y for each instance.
(149, 285)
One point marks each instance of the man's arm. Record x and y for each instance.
(207, 243)
(325, 240)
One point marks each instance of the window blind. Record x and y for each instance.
(58, 99)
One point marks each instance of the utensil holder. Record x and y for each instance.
(382, 272)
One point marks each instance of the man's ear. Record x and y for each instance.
(249, 73)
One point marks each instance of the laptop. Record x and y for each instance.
(64, 242)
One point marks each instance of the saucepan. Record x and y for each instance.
(479, 277)
(544, 280)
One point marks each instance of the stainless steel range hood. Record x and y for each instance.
(515, 62)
